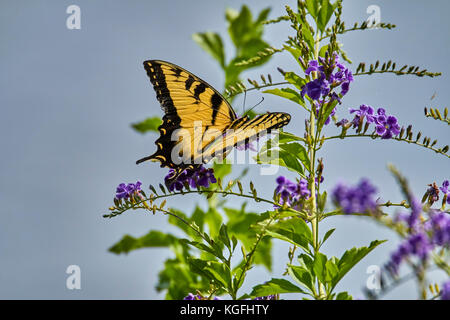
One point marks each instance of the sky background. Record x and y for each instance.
(67, 99)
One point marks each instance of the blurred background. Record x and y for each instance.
(68, 98)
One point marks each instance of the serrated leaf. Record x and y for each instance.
(301, 276)
(351, 257)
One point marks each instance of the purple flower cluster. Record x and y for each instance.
(423, 237)
(271, 297)
(418, 245)
(191, 296)
(127, 190)
(321, 89)
(326, 80)
(445, 190)
(201, 177)
(386, 126)
(439, 227)
(357, 199)
(445, 291)
(291, 192)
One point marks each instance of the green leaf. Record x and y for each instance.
(262, 16)
(328, 109)
(152, 239)
(331, 269)
(284, 159)
(344, 296)
(327, 235)
(313, 7)
(240, 26)
(275, 286)
(285, 137)
(223, 236)
(149, 124)
(289, 94)
(294, 79)
(302, 276)
(351, 257)
(219, 272)
(324, 15)
(212, 43)
(308, 36)
(214, 219)
(294, 230)
(203, 247)
(319, 267)
(240, 225)
(221, 170)
(295, 52)
(298, 151)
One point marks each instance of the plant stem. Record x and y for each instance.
(312, 183)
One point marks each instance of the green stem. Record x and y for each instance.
(312, 150)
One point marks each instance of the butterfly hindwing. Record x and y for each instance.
(244, 131)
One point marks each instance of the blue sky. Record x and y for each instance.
(68, 98)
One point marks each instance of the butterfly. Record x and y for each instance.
(198, 123)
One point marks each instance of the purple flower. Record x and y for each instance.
(418, 245)
(291, 192)
(342, 122)
(191, 296)
(445, 291)
(271, 297)
(387, 127)
(439, 225)
(313, 65)
(364, 111)
(414, 218)
(247, 146)
(127, 190)
(316, 88)
(200, 176)
(326, 79)
(356, 199)
(445, 190)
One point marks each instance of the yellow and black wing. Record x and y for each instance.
(243, 131)
(198, 124)
(189, 104)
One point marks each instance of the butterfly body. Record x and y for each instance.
(198, 123)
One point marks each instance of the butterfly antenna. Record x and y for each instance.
(262, 99)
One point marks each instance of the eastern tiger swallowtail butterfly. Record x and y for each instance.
(200, 115)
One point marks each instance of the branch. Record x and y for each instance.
(390, 67)
(436, 115)
(425, 144)
(362, 26)
(141, 203)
